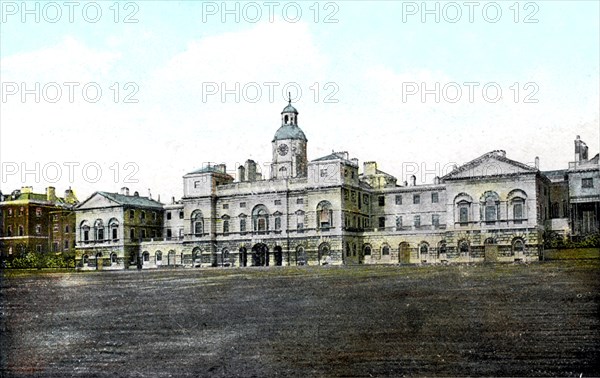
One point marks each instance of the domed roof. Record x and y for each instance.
(289, 132)
(289, 109)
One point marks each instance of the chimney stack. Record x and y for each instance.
(537, 162)
(125, 191)
(51, 194)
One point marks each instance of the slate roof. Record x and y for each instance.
(334, 156)
(131, 200)
(208, 169)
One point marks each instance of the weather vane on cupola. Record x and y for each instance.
(289, 98)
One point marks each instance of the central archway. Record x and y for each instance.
(260, 255)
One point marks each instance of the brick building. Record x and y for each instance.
(37, 222)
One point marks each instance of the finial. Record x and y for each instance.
(289, 98)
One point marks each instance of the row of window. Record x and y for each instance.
(464, 247)
(21, 230)
(435, 221)
(142, 215)
(56, 246)
(277, 202)
(416, 199)
(10, 213)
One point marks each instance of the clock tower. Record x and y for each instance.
(289, 147)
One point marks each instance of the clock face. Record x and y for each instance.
(283, 149)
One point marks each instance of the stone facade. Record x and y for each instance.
(326, 211)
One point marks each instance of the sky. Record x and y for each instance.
(98, 95)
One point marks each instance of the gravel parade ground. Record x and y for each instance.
(539, 319)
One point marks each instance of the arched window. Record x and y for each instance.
(463, 247)
(225, 257)
(424, 249)
(9, 231)
(324, 215)
(158, 256)
(367, 250)
(21, 231)
(84, 259)
(113, 226)
(197, 223)
(146, 256)
(260, 218)
(442, 249)
(324, 253)
(283, 172)
(301, 258)
(99, 230)
(132, 234)
(518, 246)
(462, 204)
(348, 250)
(385, 251)
(84, 228)
(113, 258)
(490, 203)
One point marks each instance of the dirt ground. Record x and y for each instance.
(541, 319)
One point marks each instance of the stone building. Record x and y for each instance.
(328, 211)
(37, 222)
(111, 227)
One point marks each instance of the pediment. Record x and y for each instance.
(490, 164)
(97, 200)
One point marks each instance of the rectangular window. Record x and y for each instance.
(131, 214)
(299, 201)
(226, 227)
(169, 233)
(435, 220)
(399, 222)
(398, 200)
(66, 244)
(587, 183)
(381, 200)
(464, 214)
(366, 199)
(435, 197)
(277, 223)
(381, 222)
(143, 234)
(168, 215)
(416, 199)
(243, 225)
(55, 247)
(154, 216)
(38, 248)
(277, 202)
(417, 221)
(225, 206)
(181, 215)
(143, 215)
(242, 204)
